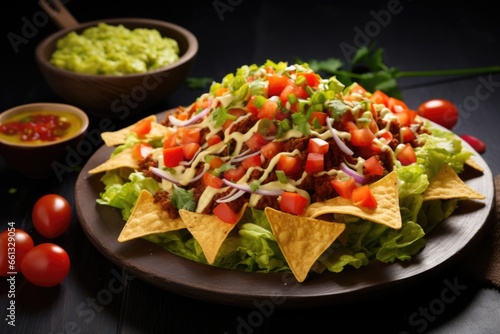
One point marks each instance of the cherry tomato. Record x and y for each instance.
(440, 111)
(14, 244)
(45, 265)
(51, 215)
(475, 142)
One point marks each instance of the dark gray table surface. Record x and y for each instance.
(416, 35)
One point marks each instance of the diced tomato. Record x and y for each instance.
(289, 165)
(312, 79)
(286, 92)
(268, 110)
(213, 181)
(315, 163)
(190, 150)
(141, 150)
(349, 125)
(407, 155)
(213, 139)
(357, 88)
(143, 127)
(299, 92)
(172, 156)
(373, 126)
(276, 84)
(215, 163)
(224, 212)
(200, 105)
(318, 145)
(406, 116)
(293, 203)
(320, 116)
(189, 135)
(271, 149)
(362, 137)
(170, 138)
(367, 151)
(363, 196)
(396, 105)
(344, 187)
(234, 174)
(405, 134)
(252, 161)
(387, 136)
(251, 107)
(256, 141)
(379, 97)
(373, 166)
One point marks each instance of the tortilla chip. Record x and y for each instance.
(115, 138)
(122, 159)
(302, 239)
(208, 230)
(147, 218)
(474, 164)
(446, 184)
(386, 213)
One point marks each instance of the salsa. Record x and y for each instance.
(39, 127)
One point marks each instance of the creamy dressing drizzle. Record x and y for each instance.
(184, 174)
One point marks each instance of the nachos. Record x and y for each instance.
(277, 168)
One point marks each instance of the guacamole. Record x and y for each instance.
(114, 50)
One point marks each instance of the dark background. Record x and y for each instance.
(423, 35)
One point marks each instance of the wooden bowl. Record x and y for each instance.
(41, 159)
(119, 95)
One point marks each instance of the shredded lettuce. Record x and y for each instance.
(122, 193)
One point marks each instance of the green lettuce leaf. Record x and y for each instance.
(121, 194)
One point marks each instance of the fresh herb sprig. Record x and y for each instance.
(369, 70)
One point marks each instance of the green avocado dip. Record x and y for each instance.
(114, 50)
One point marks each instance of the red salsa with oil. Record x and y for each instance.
(39, 127)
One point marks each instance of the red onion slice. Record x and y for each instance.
(234, 194)
(199, 176)
(177, 122)
(245, 155)
(337, 139)
(187, 163)
(357, 177)
(164, 175)
(246, 188)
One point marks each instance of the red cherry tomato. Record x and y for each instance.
(440, 111)
(475, 142)
(45, 265)
(51, 215)
(14, 244)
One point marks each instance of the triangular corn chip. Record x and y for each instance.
(302, 239)
(386, 213)
(114, 138)
(474, 164)
(122, 159)
(446, 184)
(208, 230)
(147, 218)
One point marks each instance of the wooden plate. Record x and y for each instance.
(448, 243)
